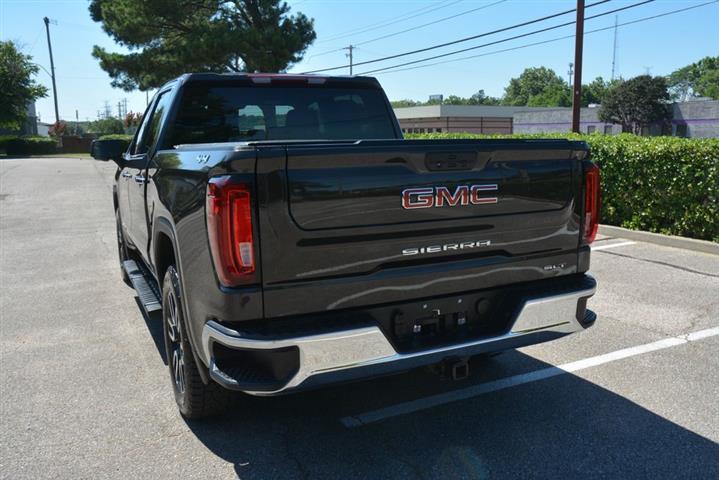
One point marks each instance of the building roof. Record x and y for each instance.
(435, 111)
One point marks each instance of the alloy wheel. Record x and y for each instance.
(174, 336)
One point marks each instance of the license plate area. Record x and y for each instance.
(441, 321)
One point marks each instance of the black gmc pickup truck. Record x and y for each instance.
(291, 238)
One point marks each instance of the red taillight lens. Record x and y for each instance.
(591, 203)
(229, 227)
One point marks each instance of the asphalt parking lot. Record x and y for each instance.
(84, 391)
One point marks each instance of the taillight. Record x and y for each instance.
(229, 227)
(591, 203)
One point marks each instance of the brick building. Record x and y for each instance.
(457, 118)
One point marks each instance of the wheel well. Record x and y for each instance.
(164, 255)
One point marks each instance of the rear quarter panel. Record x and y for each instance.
(176, 207)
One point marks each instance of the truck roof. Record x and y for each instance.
(268, 78)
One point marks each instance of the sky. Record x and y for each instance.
(657, 46)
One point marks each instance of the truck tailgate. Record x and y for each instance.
(352, 224)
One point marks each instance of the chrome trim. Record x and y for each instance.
(367, 346)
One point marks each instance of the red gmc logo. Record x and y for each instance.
(428, 197)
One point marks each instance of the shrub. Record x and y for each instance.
(4, 139)
(125, 138)
(29, 145)
(666, 185)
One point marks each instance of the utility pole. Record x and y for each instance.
(351, 48)
(52, 67)
(570, 73)
(614, 50)
(119, 110)
(577, 86)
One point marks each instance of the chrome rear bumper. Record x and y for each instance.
(350, 353)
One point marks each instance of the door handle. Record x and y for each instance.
(126, 174)
(140, 179)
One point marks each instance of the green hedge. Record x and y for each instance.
(118, 136)
(659, 184)
(28, 145)
(4, 139)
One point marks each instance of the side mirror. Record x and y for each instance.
(108, 150)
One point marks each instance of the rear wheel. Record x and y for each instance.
(121, 248)
(193, 397)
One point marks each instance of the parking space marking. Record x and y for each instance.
(509, 382)
(613, 245)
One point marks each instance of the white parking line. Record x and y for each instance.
(612, 245)
(504, 383)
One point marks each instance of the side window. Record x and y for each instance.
(281, 112)
(141, 130)
(250, 121)
(150, 128)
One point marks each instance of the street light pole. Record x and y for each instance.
(52, 68)
(577, 87)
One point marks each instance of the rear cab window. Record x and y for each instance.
(212, 113)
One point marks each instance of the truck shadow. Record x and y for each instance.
(153, 322)
(561, 427)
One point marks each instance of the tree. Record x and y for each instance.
(538, 87)
(699, 79)
(637, 103)
(57, 129)
(106, 126)
(480, 98)
(405, 103)
(171, 37)
(596, 91)
(132, 121)
(17, 87)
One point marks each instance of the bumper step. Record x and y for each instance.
(359, 352)
(144, 285)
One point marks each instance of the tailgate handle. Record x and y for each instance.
(438, 161)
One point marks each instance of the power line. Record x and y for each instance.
(534, 32)
(32, 47)
(461, 40)
(394, 34)
(466, 12)
(551, 40)
(385, 23)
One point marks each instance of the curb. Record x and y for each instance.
(659, 239)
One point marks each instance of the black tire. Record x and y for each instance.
(122, 250)
(194, 398)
